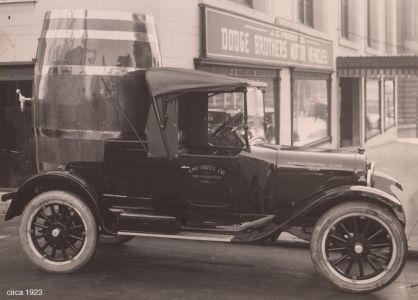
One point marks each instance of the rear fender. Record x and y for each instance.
(57, 180)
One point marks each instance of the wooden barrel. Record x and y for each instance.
(82, 58)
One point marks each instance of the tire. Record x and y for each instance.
(58, 232)
(359, 247)
(114, 240)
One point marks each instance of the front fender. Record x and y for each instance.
(316, 206)
(385, 183)
(60, 180)
(341, 194)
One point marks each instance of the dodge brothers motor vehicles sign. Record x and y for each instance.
(232, 36)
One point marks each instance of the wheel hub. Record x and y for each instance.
(358, 248)
(55, 232)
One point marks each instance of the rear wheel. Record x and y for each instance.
(58, 232)
(359, 247)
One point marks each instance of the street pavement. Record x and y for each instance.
(152, 268)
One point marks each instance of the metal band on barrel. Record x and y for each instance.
(103, 35)
(77, 134)
(99, 14)
(86, 70)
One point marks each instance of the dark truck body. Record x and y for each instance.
(149, 183)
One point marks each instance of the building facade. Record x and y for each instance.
(292, 45)
(407, 11)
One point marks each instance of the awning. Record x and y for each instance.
(374, 66)
(175, 80)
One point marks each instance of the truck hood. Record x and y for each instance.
(318, 159)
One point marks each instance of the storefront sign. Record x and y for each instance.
(229, 36)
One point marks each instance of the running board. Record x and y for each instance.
(184, 236)
(129, 221)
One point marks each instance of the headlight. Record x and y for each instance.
(370, 172)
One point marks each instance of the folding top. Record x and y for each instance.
(175, 80)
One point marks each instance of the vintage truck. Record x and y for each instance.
(168, 176)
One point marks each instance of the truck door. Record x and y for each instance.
(209, 180)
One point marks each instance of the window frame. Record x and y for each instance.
(301, 75)
(246, 3)
(17, 1)
(305, 12)
(344, 20)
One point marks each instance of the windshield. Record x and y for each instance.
(255, 112)
(225, 107)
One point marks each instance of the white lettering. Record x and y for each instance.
(267, 46)
(316, 55)
(235, 40)
(224, 33)
(14, 293)
(297, 52)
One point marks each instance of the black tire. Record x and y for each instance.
(114, 239)
(58, 232)
(359, 247)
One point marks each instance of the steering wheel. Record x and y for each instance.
(256, 140)
(228, 124)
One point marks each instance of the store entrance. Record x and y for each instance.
(350, 112)
(17, 150)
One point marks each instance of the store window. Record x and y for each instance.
(389, 104)
(373, 123)
(306, 12)
(310, 115)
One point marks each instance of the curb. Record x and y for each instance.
(4, 205)
(288, 237)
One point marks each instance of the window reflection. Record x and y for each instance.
(310, 111)
(389, 104)
(224, 106)
(373, 126)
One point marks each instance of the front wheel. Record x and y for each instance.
(58, 232)
(359, 247)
